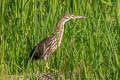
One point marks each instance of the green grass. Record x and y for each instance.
(90, 47)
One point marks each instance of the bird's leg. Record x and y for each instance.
(47, 65)
(48, 68)
(46, 62)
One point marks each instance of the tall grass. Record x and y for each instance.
(90, 47)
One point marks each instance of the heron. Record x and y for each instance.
(48, 45)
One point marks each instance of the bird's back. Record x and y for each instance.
(44, 48)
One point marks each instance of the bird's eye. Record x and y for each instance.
(71, 15)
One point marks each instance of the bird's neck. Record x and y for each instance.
(58, 32)
(60, 25)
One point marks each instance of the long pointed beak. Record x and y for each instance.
(79, 17)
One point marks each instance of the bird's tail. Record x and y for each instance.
(32, 53)
(30, 57)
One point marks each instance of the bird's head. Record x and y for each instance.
(66, 17)
(70, 16)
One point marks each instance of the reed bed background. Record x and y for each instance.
(90, 47)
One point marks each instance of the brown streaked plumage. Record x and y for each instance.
(48, 45)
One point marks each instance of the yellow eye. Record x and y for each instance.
(71, 15)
